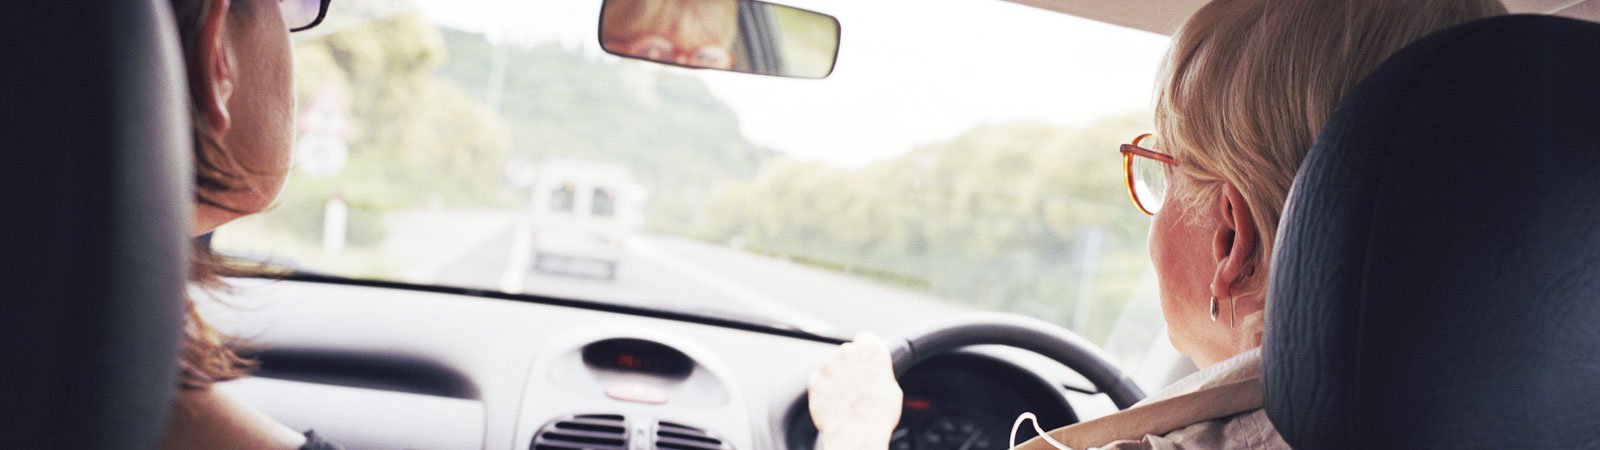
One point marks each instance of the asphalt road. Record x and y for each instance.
(671, 272)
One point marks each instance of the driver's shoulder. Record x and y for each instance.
(1218, 407)
(1249, 430)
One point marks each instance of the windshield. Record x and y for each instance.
(960, 157)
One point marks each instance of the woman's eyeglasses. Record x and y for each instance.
(301, 15)
(1147, 171)
(660, 49)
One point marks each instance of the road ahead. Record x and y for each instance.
(672, 272)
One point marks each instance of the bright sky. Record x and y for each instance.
(909, 71)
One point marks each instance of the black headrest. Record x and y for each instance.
(94, 207)
(1436, 282)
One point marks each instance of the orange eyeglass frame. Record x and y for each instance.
(1132, 150)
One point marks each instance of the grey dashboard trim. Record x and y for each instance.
(495, 345)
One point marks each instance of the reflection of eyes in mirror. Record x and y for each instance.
(712, 56)
(657, 48)
(651, 47)
(696, 33)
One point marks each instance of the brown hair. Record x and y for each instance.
(205, 357)
(1248, 84)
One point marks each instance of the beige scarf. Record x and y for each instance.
(1232, 388)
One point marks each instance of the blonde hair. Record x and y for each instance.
(1248, 84)
(690, 23)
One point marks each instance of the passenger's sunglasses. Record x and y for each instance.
(301, 15)
(1147, 173)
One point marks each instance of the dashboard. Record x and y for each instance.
(382, 367)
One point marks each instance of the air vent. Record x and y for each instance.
(673, 436)
(584, 432)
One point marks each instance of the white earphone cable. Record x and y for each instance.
(1029, 416)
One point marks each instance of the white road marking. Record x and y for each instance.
(730, 288)
(516, 273)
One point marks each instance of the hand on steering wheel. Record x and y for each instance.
(855, 401)
(854, 398)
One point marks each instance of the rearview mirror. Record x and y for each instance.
(735, 35)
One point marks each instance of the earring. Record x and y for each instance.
(1214, 312)
(1233, 310)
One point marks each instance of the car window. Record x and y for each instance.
(960, 157)
(562, 199)
(603, 203)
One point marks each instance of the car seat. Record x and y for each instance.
(1436, 282)
(95, 190)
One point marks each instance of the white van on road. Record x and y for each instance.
(584, 211)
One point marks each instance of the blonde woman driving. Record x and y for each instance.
(1244, 90)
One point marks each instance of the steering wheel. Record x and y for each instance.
(1025, 333)
(1010, 330)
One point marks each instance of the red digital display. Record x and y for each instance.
(636, 355)
(633, 362)
(918, 404)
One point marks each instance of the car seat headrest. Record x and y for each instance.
(95, 187)
(1436, 281)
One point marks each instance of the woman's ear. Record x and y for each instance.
(1235, 243)
(212, 67)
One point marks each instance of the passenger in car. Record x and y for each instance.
(237, 58)
(1245, 89)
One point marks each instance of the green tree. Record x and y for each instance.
(414, 135)
(1026, 217)
(679, 140)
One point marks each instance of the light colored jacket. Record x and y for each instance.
(1216, 408)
